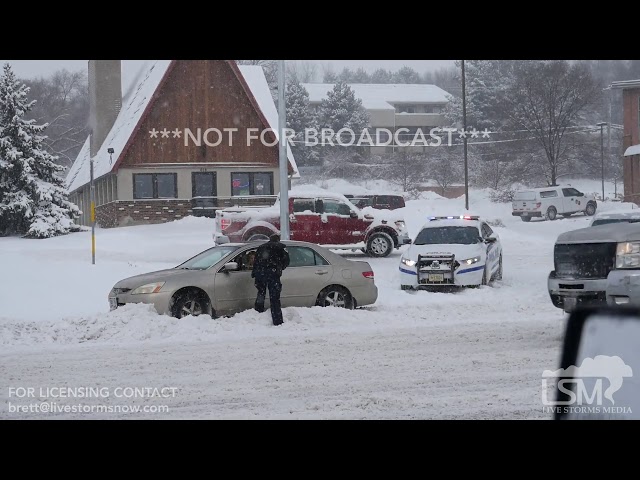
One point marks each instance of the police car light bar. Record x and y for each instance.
(457, 217)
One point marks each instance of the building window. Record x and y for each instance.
(432, 109)
(405, 108)
(155, 185)
(258, 183)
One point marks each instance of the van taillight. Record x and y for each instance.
(367, 275)
(224, 223)
(538, 205)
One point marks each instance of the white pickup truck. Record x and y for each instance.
(596, 265)
(549, 202)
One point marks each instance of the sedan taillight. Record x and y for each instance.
(368, 275)
(224, 223)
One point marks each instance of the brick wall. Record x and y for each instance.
(452, 191)
(138, 212)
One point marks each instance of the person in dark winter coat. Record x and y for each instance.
(271, 259)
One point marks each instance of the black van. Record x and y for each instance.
(380, 202)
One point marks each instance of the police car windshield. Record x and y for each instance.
(446, 235)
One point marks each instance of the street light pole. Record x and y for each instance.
(601, 125)
(464, 139)
(92, 195)
(283, 161)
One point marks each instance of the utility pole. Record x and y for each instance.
(92, 193)
(283, 163)
(601, 125)
(615, 182)
(464, 139)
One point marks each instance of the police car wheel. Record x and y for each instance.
(485, 280)
(380, 244)
(590, 210)
(499, 272)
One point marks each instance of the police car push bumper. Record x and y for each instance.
(461, 275)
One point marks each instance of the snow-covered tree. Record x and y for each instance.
(360, 76)
(33, 199)
(299, 118)
(406, 75)
(341, 109)
(486, 85)
(382, 75)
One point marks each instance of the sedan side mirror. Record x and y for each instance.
(490, 239)
(230, 267)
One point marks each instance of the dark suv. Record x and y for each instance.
(380, 202)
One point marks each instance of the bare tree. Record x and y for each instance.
(445, 168)
(62, 101)
(302, 71)
(407, 170)
(547, 98)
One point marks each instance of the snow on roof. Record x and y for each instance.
(602, 233)
(314, 191)
(632, 150)
(254, 76)
(451, 222)
(379, 96)
(134, 106)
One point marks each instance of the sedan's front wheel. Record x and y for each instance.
(335, 296)
(190, 303)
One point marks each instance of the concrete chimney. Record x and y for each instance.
(105, 99)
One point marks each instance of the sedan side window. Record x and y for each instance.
(304, 257)
(245, 260)
(569, 192)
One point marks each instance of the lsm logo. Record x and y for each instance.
(582, 387)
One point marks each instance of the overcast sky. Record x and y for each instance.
(37, 68)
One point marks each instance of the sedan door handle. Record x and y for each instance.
(321, 272)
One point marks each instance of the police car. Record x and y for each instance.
(452, 251)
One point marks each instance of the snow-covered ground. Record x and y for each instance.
(474, 354)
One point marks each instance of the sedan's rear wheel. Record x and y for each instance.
(335, 296)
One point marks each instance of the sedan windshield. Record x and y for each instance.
(446, 235)
(207, 258)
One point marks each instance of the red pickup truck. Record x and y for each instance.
(324, 218)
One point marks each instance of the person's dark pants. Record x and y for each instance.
(274, 286)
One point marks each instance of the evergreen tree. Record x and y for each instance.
(329, 76)
(406, 75)
(33, 199)
(299, 118)
(341, 109)
(382, 75)
(360, 76)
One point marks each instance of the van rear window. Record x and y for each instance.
(525, 196)
(549, 194)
